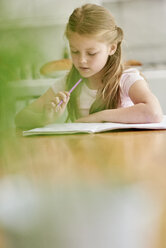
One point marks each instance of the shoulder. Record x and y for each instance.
(128, 78)
(59, 84)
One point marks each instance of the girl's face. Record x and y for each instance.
(89, 56)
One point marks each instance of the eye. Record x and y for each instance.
(92, 54)
(74, 52)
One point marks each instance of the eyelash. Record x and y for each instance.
(75, 52)
(90, 54)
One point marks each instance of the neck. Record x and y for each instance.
(94, 82)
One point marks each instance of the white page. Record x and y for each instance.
(69, 128)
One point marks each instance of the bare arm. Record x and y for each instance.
(146, 108)
(43, 110)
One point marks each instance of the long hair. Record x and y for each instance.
(72, 78)
(97, 21)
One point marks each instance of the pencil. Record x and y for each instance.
(71, 90)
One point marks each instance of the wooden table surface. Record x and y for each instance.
(92, 157)
(96, 161)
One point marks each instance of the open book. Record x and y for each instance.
(70, 128)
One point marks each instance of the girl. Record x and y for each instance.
(109, 92)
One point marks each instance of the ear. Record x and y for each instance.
(113, 48)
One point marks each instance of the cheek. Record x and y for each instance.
(74, 59)
(100, 62)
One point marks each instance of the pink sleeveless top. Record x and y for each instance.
(128, 78)
(88, 96)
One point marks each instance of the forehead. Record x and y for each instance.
(84, 41)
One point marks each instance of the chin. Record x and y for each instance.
(86, 75)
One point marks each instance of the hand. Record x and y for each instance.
(89, 118)
(52, 111)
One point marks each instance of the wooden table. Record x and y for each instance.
(98, 163)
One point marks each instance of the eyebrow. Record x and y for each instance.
(72, 47)
(89, 49)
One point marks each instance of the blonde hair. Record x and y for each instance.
(95, 20)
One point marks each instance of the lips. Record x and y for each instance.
(84, 68)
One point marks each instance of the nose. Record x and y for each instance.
(82, 59)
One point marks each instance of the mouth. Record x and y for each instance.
(84, 68)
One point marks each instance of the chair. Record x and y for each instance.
(56, 67)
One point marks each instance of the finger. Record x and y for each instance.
(53, 104)
(56, 100)
(49, 106)
(62, 96)
(57, 108)
(67, 95)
